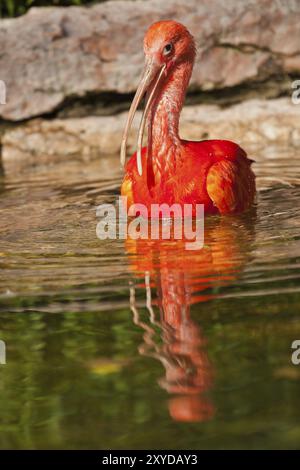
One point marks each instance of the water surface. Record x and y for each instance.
(145, 345)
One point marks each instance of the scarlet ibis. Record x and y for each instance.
(215, 173)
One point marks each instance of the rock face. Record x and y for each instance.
(53, 55)
(255, 121)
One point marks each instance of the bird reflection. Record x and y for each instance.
(174, 279)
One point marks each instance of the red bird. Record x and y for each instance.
(170, 170)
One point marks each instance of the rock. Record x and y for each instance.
(51, 56)
(42, 141)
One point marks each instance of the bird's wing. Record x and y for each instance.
(231, 185)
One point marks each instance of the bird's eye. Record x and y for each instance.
(168, 49)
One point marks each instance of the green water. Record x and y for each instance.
(114, 346)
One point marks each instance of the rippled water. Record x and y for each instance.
(147, 345)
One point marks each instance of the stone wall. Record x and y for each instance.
(51, 55)
(80, 61)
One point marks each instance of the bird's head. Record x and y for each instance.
(166, 45)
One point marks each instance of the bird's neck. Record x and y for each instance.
(164, 144)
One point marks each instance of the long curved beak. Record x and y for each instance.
(152, 73)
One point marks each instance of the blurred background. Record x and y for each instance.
(145, 345)
(71, 71)
(15, 8)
